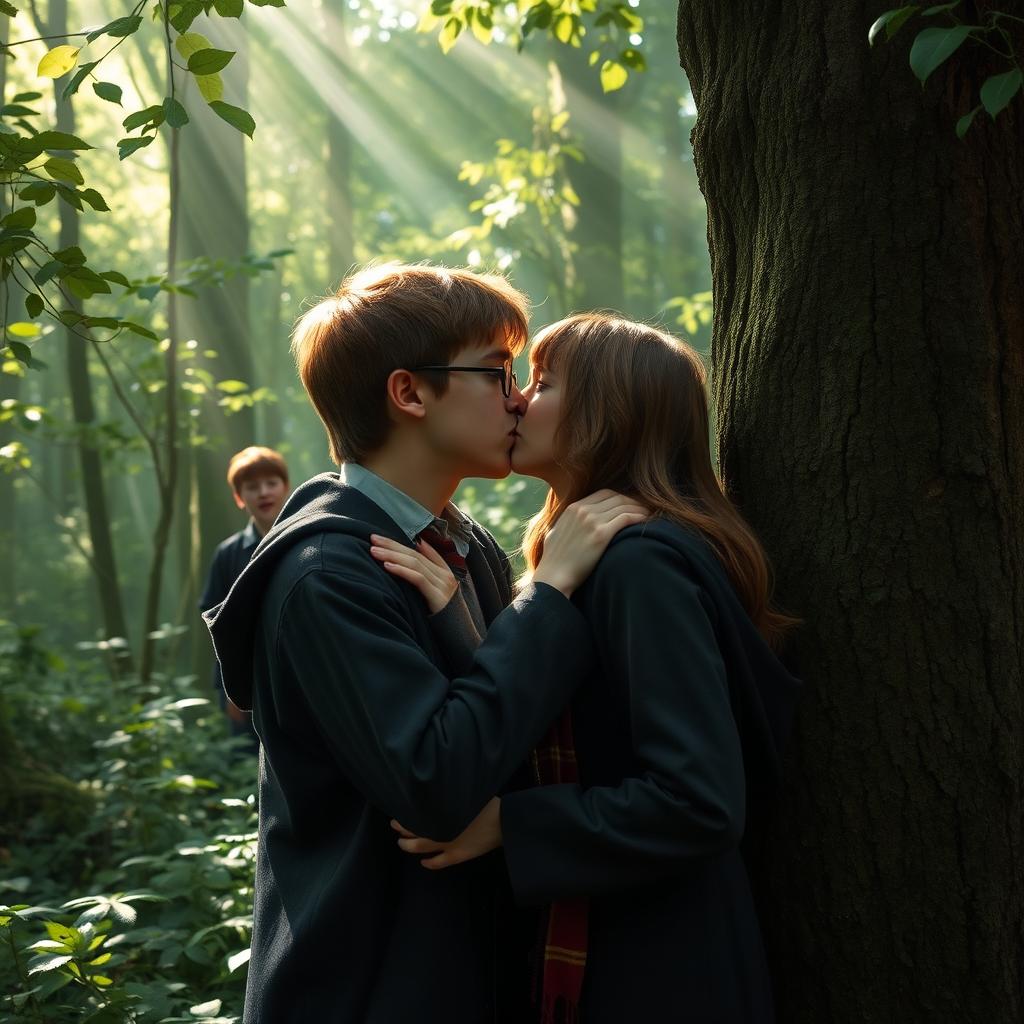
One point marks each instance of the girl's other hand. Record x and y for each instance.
(423, 567)
(577, 541)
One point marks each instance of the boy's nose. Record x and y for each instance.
(516, 401)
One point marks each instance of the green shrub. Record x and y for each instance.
(130, 897)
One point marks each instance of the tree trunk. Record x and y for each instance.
(10, 387)
(97, 512)
(868, 368)
(214, 223)
(340, 146)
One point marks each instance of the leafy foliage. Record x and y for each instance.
(616, 29)
(142, 911)
(41, 166)
(934, 45)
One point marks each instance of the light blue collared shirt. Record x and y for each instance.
(408, 513)
(412, 518)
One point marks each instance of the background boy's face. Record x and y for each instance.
(263, 498)
(472, 425)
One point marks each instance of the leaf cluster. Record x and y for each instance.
(142, 911)
(935, 44)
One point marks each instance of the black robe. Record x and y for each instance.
(360, 722)
(677, 739)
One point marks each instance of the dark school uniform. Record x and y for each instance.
(230, 558)
(677, 738)
(360, 721)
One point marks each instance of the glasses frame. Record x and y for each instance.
(505, 374)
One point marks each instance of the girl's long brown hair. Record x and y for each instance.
(635, 419)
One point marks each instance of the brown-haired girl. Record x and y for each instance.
(669, 755)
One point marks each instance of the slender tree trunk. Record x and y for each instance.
(868, 365)
(340, 145)
(167, 471)
(10, 387)
(214, 223)
(97, 511)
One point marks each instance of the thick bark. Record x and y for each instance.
(868, 367)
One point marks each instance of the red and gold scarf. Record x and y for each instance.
(562, 955)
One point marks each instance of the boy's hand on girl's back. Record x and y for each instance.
(577, 541)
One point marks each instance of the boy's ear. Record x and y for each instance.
(238, 500)
(404, 392)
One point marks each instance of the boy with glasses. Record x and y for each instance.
(360, 718)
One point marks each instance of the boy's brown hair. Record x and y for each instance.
(393, 317)
(255, 461)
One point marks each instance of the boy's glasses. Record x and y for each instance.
(505, 373)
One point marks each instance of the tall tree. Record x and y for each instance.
(214, 223)
(868, 366)
(9, 389)
(98, 517)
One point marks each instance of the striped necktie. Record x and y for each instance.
(446, 548)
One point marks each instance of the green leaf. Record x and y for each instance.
(58, 61)
(939, 8)
(107, 91)
(72, 256)
(119, 28)
(84, 70)
(142, 332)
(59, 140)
(934, 45)
(69, 196)
(24, 217)
(113, 275)
(892, 21)
(209, 61)
(211, 87)
(186, 14)
(9, 9)
(235, 116)
(232, 387)
(9, 246)
(61, 169)
(998, 90)
(47, 962)
(191, 42)
(33, 304)
(447, 36)
(17, 110)
(27, 97)
(613, 76)
(47, 271)
(21, 352)
(95, 200)
(965, 122)
(174, 113)
(634, 59)
(150, 115)
(229, 8)
(23, 330)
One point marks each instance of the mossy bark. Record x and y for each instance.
(868, 372)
